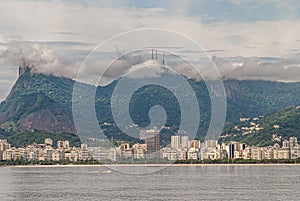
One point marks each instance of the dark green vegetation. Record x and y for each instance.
(44, 102)
(36, 162)
(20, 139)
(284, 123)
(238, 161)
(159, 161)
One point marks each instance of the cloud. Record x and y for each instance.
(37, 21)
(39, 59)
(63, 33)
(60, 34)
(254, 68)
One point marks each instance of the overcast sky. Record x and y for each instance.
(248, 39)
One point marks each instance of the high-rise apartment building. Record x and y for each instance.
(151, 138)
(175, 141)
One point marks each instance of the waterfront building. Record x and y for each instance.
(41, 154)
(152, 139)
(63, 144)
(293, 142)
(211, 143)
(33, 154)
(8, 155)
(4, 145)
(235, 149)
(185, 142)
(58, 155)
(139, 150)
(193, 153)
(84, 154)
(195, 144)
(24, 153)
(283, 153)
(66, 144)
(72, 155)
(175, 141)
(60, 144)
(295, 151)
(151, 149)
(84, 146)
(100, 153)
(49, 141)
(112, 154)
(246, 153)
(170, 153)
(125, 150)
(257, 153)
(48, 153)
(269, 152)
(285, 144)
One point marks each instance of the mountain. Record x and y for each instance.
(44, 102)
(274, 127)
(31, 106)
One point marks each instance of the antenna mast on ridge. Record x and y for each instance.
(152, 55)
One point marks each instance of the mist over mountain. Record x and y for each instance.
(42, 59)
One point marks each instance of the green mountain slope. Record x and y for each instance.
(44, 102)
(284, 124)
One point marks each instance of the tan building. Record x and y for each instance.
(246, 153)
(293, 142)
(257, 153)
(11, 154)
(211, 143)
(193, 153)
(238, 154)
(175, 141)
(139, 150)
(63, 144)
(48, 141)
(58, 155)
(125, 150)
(182, 155)
(72, 155)
(170, 153)
(285, 144)
(295, 151)
(195, 144)
(41, 155)
(269, 152)
(283, 153)
(4, 145)
(24, 153)
(34, 154)
(84, 155)
(185, 142)
(48, 153)
(8, 154)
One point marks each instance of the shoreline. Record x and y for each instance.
(151, 165)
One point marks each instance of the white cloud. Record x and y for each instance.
(39, 20)
(254, 68)
(91, 23)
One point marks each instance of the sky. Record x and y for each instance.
(247, 39)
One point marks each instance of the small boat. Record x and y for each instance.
(106, 171)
